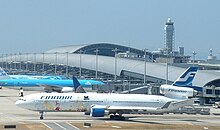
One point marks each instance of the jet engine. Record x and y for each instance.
(177, 92)
(97, 112)
(67, 90)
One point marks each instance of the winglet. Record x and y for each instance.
(77, 87)
(186, 78)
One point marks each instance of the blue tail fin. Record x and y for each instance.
(77, 87)
(186, 78)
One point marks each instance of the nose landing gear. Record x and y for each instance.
(41, 115)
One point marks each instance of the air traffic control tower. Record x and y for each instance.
(169, 36)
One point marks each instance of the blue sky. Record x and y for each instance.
(39, 25)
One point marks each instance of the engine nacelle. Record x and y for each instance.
(67, 90)
(177, 92)
(97, 112)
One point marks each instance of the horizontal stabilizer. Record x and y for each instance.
(170, 106)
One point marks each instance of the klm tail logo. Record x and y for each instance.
(186, 78)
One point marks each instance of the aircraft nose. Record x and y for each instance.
(20, 103)
(17, 103)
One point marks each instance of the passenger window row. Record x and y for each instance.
(56, 97)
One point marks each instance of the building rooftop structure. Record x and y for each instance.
(105, 49)
(104, 62)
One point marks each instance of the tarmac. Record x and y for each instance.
(13, 117)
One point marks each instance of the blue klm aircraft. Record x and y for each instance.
(47, 84)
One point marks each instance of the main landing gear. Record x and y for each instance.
(117, 117)
(41, 115)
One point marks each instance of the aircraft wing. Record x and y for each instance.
(51, 88)
(178, 104)
(116, 108)
(169, 106)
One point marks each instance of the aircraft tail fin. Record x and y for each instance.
(77, 87)
(3, 74)
(186, 78)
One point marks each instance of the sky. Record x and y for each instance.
(39, 25)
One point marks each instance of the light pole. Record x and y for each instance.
(167, 65)
(35, 58)
(43, 62)
(2, 61)
(219, 62)
(11, 64)
(116, 51)
(96, 63)
(80, 63)
(6, 61)
(67, 63)
(27, 62)
(145, 67)
(55, 69)
(194, 56)
(20, 60)
(15, 61)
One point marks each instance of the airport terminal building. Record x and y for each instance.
(110, 63)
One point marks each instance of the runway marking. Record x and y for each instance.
(54, 126)
(118, 127)
(73, 126)
(60, 125)
(67, 126)
(46, 125)
(21, 122)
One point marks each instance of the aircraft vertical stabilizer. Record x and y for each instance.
(77, 87)
(3, 74)
(186, 78)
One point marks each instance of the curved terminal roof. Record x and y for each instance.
(105, 49)
(65, 49)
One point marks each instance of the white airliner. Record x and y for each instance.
(182, 88)
(100, 104)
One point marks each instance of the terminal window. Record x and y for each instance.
(217, 92)
(208, 91)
